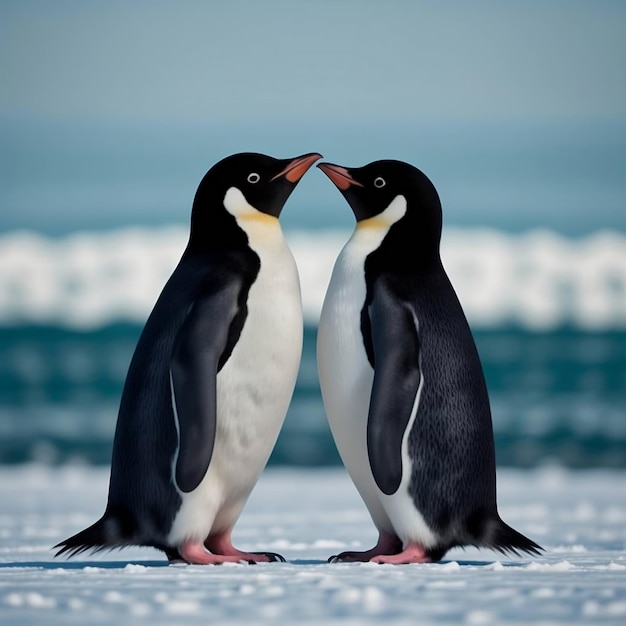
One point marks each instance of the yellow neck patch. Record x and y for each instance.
(258, 216)
(374, 223)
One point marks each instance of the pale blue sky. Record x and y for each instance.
(111, 111)
(398, 59)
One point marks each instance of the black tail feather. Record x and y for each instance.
(106, 534)
(501, 537)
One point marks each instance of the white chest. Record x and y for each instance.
(342, 360)
(255, 385)
(254, 389)
(344, 371)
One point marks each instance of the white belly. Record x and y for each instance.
(346, 379)
(254, 389)
(344, 371)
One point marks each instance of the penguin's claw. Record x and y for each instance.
(339, 558)
(273, 557)
(351, 557)
(413, 553)
(387, 544)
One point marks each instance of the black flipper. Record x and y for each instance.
(395, 347)
(198, 348)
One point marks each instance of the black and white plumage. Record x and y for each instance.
(401, 378)
(212, 374)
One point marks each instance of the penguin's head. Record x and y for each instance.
(247, 187)
(393, 196)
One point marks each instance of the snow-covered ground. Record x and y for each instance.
(307, 515)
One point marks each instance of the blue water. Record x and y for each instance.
(556, 397)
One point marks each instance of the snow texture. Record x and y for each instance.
(307, 515)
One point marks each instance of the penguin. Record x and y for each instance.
(401, 379)
(212, 375)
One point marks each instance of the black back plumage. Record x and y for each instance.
(451, 441)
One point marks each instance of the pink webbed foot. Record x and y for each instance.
(196, 554)
(387, 544)
(413, 553)
(222, 544)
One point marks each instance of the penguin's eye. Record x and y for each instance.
(253, 178)
(379, 182)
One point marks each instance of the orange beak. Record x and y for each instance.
(339, 175)
(298, 167)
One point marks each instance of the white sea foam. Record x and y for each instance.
(539, 279)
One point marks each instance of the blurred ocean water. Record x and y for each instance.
(548, 312)
(539, 280)
(93, 220)
(556, 397)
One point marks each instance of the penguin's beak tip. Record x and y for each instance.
(298, 167)
(339, 175)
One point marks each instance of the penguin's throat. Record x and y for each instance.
(256, 224)
(384, 220)
(237, 205)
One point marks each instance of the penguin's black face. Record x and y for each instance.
(371, 189)
(245, 186)
(400, 201)
(263, 181)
